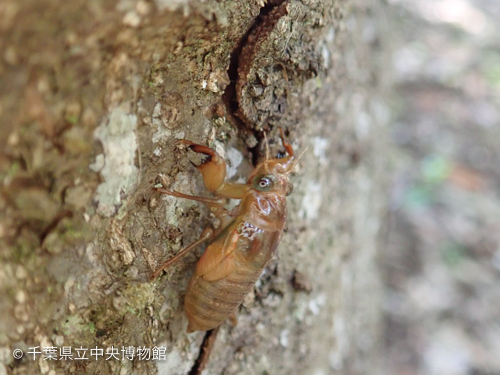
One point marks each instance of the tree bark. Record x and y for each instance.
(94, 95)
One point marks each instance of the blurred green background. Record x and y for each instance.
(442, 263)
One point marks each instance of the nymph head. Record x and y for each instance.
(272, 174)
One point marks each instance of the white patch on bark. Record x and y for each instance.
(317, 303)
(319, 149)
(363, 125)
(235, 158)
(173, 365)
(284, 338)
(326, 55)
(117, 163)
(311, 202)
(219, 147)
(181, 357)
(172, 5)
(340, 350)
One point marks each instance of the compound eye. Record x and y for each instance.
(289, 189)
(264, 183)
(281, 154)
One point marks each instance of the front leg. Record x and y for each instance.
(213, 170)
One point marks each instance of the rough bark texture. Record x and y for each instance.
(93, 98)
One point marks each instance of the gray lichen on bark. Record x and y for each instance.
(93, 98)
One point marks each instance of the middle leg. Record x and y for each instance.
(211, 202)
(205, 235)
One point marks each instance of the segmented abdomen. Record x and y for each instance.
(209, 303)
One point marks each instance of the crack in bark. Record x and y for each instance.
(242, 59)
(205, 350)
(54, 223)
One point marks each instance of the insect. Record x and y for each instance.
(244, 242)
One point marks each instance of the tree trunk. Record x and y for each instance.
(94, 96)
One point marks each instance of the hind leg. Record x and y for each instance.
(205, 235)
(216, 205)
